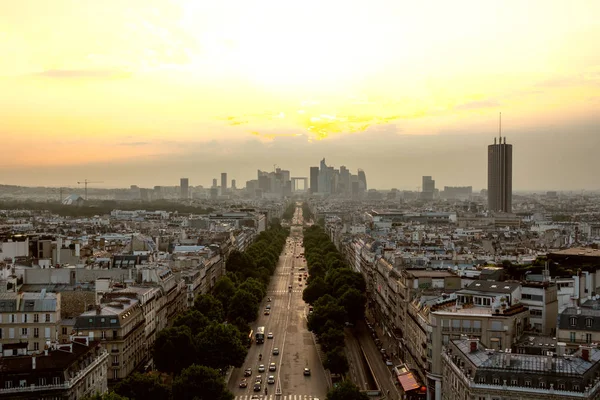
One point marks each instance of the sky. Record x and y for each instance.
(143, 92)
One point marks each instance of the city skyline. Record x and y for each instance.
(145, 92)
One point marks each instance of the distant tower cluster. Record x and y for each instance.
(328, 180)
(223, 182)
(500, 174)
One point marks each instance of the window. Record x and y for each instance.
(48, 318)
(576, 388)
(56, 380)
(64, 330)
(0, 333)
(25, 318)
(36, 332)
(116, 374)
(36, 346)
(572, 336)
(42, 381)
(482, 379)
(535, 313)
(588, 338)
(24, 331)
(36, 317)
(561, 386)
(542, 384)
(514, 382)
(589, 322)
(496, 326)
(7, 384)
(12, 318)
(527, 383)
(496, 381)
(573, 321)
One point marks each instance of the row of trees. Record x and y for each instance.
(288, 214)
(336, 294)
(307, 214)
(210, 337)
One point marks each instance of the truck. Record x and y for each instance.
(260, 334)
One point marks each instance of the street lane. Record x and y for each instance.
(288, 324)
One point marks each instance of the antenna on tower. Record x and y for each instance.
(500, 127)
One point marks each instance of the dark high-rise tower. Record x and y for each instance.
(314, 179)
(223, 182)
(184, 188)
(500, 175)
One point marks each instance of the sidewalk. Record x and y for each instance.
(388, 343)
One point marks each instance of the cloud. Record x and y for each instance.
(134, 144)
(474, 105)
(585, 79)
(83, 74)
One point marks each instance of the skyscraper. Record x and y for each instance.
(428, 188)
(184, 187)
(314, 179)
(223, 182)
(362, 179)
(500, 175)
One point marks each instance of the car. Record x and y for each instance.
(270, 335)
(271, 380)
(268, 307)
(248, 372)
(306, 371)
(272, 367)
(261, 368)
(257, 387)
(267, 312)
(258, 379)
(244, 383)
(254, 397)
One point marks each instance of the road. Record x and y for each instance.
(288, 324)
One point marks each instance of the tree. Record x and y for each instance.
(143, 386)
(322, 313)
(220, 346)
(346, 390)
(316, 289)
(331, 336)
(198, 382)
(210, 306)
(244, 305)
(336, 361)
(254, 286)
(224, 290)
(239, 262)
(354, 303)
(193, 319)
(174, 349)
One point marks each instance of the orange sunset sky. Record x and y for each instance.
(147, 91)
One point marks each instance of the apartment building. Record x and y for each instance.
(542, 300)
(31, 318)
(579, 325)
(70, 371)
(472, 371)
(119, 323)
(486, 310)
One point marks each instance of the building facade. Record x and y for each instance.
(500, 176)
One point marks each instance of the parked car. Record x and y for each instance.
(267, 312)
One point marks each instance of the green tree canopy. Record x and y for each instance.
(201, 383)
(220, 346)
(143, 386)
(331, 336)
(224, 290)
(354, 303)
(316, 289)
(336, 361)
(210, 306)
(193, 319)
(243, 305)
(346, 390)
(174, 349)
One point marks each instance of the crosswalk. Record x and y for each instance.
(275, 397)
(284, 291)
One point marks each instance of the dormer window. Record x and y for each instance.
(589, 322)
(573, 321)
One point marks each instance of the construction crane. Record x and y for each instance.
(85, 182)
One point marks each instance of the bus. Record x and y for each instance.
(260, 334)
(250, 337)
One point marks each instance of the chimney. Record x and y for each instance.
(98, 310)
(578, 311)
(472, 346)
(585, 353)
(560, 349)
(32, 362)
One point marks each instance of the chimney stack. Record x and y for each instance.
(585, 353)
(560, 349)
(473, 346)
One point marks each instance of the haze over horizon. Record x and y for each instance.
(144, 92)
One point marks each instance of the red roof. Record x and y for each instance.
(408, 382)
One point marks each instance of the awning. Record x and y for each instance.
(408, 382)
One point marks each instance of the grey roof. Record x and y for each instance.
(581, 320)
(492, 287)
(526, 363)
(28, 302)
